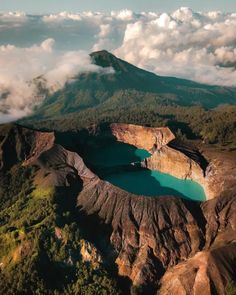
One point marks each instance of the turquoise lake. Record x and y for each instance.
(141, 181)
(154, 183)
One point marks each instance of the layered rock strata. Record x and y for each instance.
(142, 137)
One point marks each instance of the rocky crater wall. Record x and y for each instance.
(170, 244)
(170, 158)
(142, 137)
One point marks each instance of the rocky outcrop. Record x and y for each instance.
(43, 141)
(22, 144)
(90, 254)
(176, 163)
(220, 219)
(145, 234)
(206, 273)
(153, 235)
(170, 156)
(169, 160)
(142, 137)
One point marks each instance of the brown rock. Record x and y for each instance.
(142, 137)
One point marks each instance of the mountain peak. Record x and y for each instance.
(103, 52)
(105, 59)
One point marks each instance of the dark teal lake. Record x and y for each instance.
(141, 181)
(116, 154)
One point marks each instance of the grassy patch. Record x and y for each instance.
(42, 193)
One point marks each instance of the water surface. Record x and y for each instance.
(139, 181)
(115, 154)
(154, 183)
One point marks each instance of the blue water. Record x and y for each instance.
(142, 181)
(154, 183)
(116, 154)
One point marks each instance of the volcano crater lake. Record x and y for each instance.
(140, 181)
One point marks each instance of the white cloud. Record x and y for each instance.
(188, 44)
(12, 20)
(184, 14)
(76, 17)
(13, 16)
(61, 17)
(21, 69)
(124, 15)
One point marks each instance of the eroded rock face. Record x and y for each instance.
(142, 137)
(207, 272)
(213, 179)
(22, 144)
(61, 168)
(171, 161)
(43, 141)
(148, 234)
(164, 158)
(220, 214)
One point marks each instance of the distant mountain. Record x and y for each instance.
(127, 86)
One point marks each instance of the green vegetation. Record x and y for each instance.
(43, 192)
(129, 86)
(231, 288)
(40, 241)
(216, 126)
(132, 95)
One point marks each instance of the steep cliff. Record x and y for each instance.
(208, 271)
(151, 235)
(169, 160)
(170, 156)
(142, 137)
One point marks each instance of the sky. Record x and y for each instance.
(53, 6)
(195, 40)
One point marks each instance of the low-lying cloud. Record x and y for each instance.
(193, 45)
(22, 69)
(186, 44)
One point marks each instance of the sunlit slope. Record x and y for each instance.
(127, 85)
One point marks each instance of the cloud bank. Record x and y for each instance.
(23, 69)
(188, 44)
